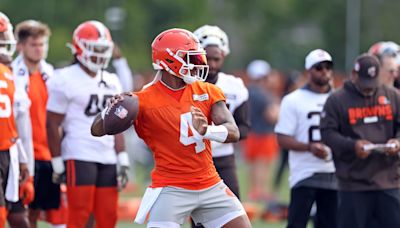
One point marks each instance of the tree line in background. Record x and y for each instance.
(279, 31)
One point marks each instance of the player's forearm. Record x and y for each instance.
(290, 143)
(119, 145)
(339, 143)
(233, 132)
(25, 134)
(122, 155)
(54, 139)
(97, 128)
(242, 119)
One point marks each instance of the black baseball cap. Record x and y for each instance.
(367, 67)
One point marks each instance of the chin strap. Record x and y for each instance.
(155, 79)
(189, 79)
(102, 82)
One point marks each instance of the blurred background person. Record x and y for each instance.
(32, 72)
(291, 82)
(14, 171)
(312, 172)
(368, 180)
(387, 53)
(261, 147)
(17, 214)
(77, 93)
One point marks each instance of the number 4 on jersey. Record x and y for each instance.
(185, 139)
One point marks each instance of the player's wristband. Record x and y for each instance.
(58, 165)
(217, 133)
(123, 159)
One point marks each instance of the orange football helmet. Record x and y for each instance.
(179, 52)
(92, 45)
(7, 40)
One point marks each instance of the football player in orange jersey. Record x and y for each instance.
(174, 118)
(31, 72)
(11, 151)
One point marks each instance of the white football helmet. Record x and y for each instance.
(7, 40)
(213, 35)
(92, 45)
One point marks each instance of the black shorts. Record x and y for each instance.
(4, 167)
(47, 194)
(84, 173)
(16, 207)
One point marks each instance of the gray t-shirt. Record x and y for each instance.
(259, 100)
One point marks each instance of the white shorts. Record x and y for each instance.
(211, 207)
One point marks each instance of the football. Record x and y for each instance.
(120, 116)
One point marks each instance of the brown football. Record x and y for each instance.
(120, 116)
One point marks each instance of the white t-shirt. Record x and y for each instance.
(299, 117)
(236, 93)
(80, 97)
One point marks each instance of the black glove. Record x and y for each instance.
(59, 178)
(122, 177)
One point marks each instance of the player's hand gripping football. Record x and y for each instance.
(199, 120)
(117, 98)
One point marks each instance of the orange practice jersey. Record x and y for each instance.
(38, 95)
(8, 130)
(182, 159)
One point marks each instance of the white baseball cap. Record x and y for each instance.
(258, 69)
(317, 56)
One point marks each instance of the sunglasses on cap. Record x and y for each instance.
(323, 65)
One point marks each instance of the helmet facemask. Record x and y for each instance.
(7, 43)
(95, 55)
(194, 65)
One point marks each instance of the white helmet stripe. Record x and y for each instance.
(100, 28)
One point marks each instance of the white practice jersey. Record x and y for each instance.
(22, 103)
(236, 93)
(299, 117)
(80, 98)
